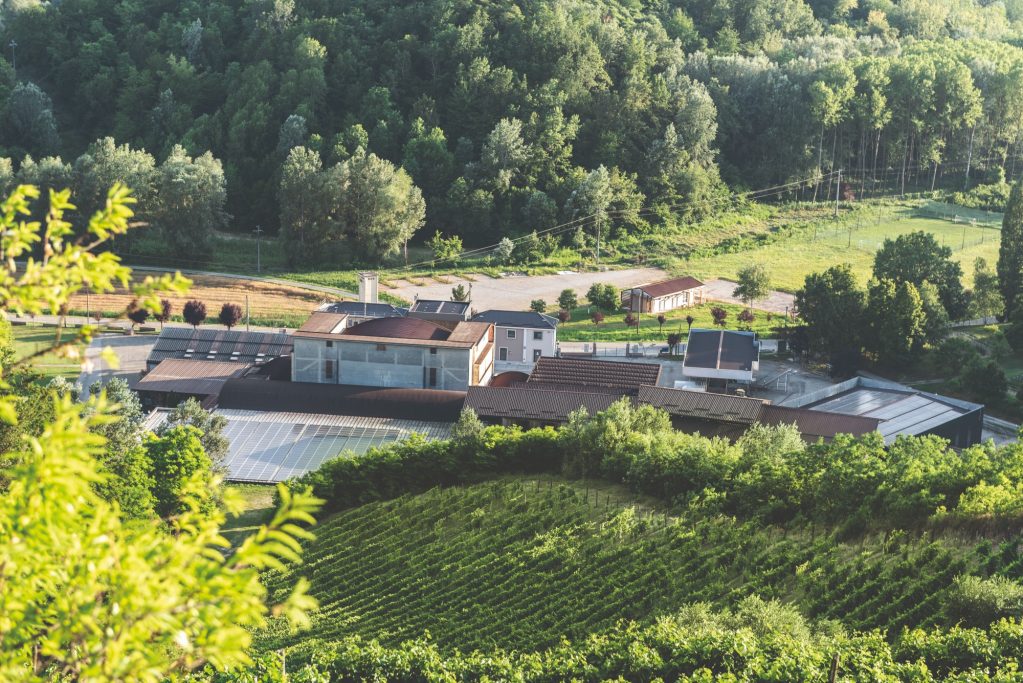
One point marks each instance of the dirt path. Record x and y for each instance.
(516, 292)
(776, 302)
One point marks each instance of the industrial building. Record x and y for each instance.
(393, 352)
(900, 410)
(234, 346)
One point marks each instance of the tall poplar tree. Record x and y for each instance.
(1010, 252)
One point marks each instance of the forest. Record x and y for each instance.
(350, 128)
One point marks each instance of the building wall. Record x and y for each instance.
(380, 365)
(522, 349)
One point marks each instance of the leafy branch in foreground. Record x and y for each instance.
(85, 595)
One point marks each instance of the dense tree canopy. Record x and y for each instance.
(504, 114)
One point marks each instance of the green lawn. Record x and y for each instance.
(790, 260)
(30, 339)
(582, 328)
(257, 509)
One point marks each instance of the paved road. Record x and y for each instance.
(131, 352)
(776, 302)
(516, 292)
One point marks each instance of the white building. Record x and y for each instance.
(521, 337)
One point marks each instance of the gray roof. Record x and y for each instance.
(362, 309)
(527, 403)
(702, 404)
(721, 349)
(529, 319)
(222, 345)
(438, 306)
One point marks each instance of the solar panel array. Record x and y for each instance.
(267, 447)
(220, 345)
(435, 306)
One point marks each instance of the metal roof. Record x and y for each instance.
(438, 306)
(362, 309)
(341, 399)
(526, 403)
(702, 404)
(526, 319)
(220, 345)
(192, 377)
(818, 424)
(269, 447)
(323, 322)
(667, 287)
(399, 328)
(721, 350)
(585, 372)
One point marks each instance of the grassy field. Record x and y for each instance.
(790, 260)
(582, 328)
(30, 339)
(471, 565)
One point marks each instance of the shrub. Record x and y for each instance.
(568, 300)
(1014, 335)
(720, 315)
(985, 380)
(977, 601)
(564, 315)
(597, 317)
(538, 305)
(603, 296)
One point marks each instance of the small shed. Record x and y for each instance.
(666, 295)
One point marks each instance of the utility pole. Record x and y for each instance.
(14, 57)
(258, 232)
(598, 237)
(838, 191)
(246, 312)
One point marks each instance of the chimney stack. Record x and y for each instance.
(368, 283)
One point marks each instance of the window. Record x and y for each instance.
(536, 354)
(538, 336)
(328, 369)
(502, 353)
(433, 352)
(511, 334)
(433, 377)
(381, 347)
(330, 344)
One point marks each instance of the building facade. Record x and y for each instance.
(521, 338)
(393, 352)
(663, 296)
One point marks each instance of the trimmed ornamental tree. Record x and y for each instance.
(194, 312)
(564, 315)
(661, 319)
(137, 314)
(674, 340)
(230, 315)
(164, 314)
(597, 317)
(720, 316)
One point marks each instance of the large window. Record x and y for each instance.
(502, 353)
(537, 335)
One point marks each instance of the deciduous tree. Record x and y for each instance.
(1010, 251)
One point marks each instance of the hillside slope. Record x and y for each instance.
(522, 563)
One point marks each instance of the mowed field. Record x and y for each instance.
(269, 303)
(789, 261)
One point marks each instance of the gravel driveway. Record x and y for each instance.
(516, 292)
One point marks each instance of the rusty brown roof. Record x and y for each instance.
(673, 286)
(324, 322)
(702, 404)
(818, 424)
(469, 331)
(193, 377)
(525, 403)
(399, 328)
(602, 373)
